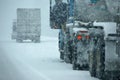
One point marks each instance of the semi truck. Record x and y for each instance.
(104, 59)
(103, 53)
(28, 25)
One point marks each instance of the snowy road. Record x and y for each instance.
(32, 61)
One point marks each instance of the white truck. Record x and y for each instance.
(27, 25)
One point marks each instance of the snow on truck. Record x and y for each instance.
(27, 25)
(104, 47)
(104, 57)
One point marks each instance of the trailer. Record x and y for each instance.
(28, 24)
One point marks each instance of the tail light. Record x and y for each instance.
(79, 37)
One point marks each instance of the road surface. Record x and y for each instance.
(36, 61)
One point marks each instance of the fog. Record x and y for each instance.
(8, 14)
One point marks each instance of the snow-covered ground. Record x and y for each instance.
(32, 61)
(36, 61)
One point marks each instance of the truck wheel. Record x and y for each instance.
(74, 65)
(61, 55)
(32, 40)
(36, 40)
(100, 62)
(66, 58)
(92, 63)
(66, 54)
(84, 67)
(19, 40)
(59, 40)
(71, 53)
(74, 59)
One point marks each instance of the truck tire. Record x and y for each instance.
(59, 40)
(67, 54)
(61, 45)
(100, 64)
(61, 55)
(36, 40)
(74, 65)
(100, 59)
(74, 59)
(19, 40)
(92, 63)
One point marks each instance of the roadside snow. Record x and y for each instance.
(36, 61)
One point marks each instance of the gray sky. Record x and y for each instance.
(8, 13)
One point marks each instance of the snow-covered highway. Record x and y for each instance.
(36, 61)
